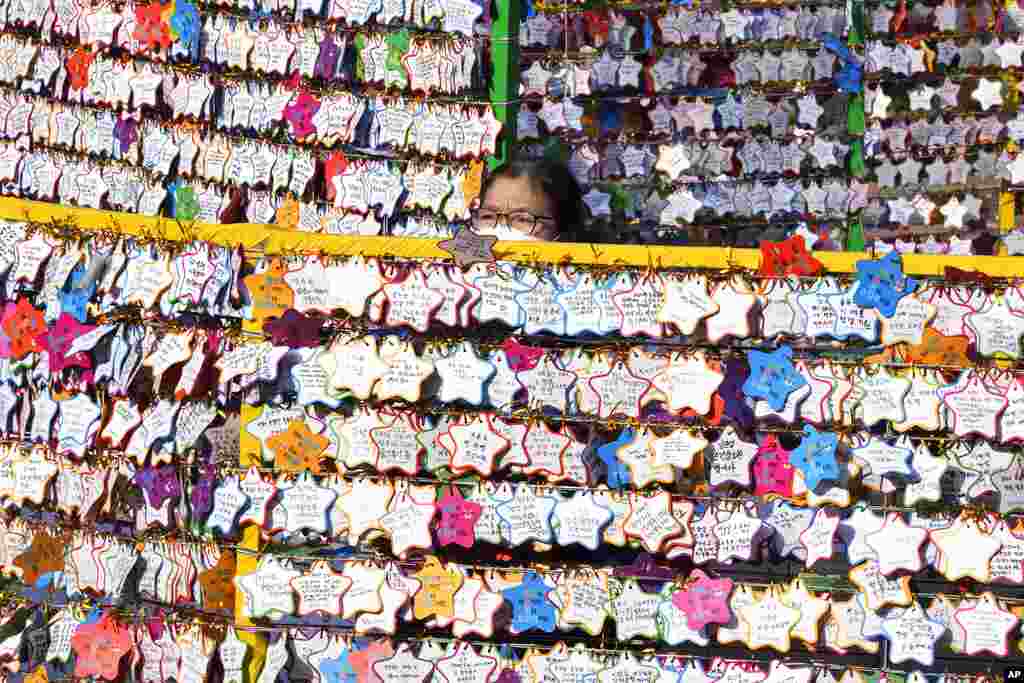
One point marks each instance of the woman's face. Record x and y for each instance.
(516, 209)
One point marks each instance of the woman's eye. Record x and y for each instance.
(525, 219)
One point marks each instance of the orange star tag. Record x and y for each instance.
(436, 596)
(271, 295)
(38, 676)
(46, 554)
(287, 215)
(473, 181)
(297, 448)
(218, 583)
(938, 349)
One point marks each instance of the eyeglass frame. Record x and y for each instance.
(507, 215)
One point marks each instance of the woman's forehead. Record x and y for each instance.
(516, 193)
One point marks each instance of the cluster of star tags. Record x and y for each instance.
(123, 108)
(408, 455)
(628, 92)
(937, 139)
(422, 451)
(643, 97)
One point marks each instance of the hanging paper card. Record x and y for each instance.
(728, 459)
(465, 664)
(987, 626)
(408, 523)
(704, 601)
(772, 376)
(100, 647)
(228, 501)
(468, 247)
(770, 622)
(878, 590)
(320, 589)
(815, 457)
(267, 590)
(526, 516)
(531, 608)
(218, 589)
(811, 607)
(297, 448)
(581, 519)
(46, 554)
(437, 593)
(882, 284)
(738, 535)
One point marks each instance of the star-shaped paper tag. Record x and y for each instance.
(772, 376)
(705, 600)
(320, 589)
(811, 607)
(815, 457)
(438, 587)
(770, 622)
(897, 545)
(469, 247)
(987, 625)
(818, 539)
(882, 284)
(912, 635)
(218, 587)
(966, 549)
(728, 459)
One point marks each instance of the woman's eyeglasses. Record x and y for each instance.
(521, 221)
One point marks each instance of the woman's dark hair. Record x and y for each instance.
(558, 183)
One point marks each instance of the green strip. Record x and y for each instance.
(855, 235)
(855, 121)
(856, 166)
(505, 82)
(856, 9)
(855, 126)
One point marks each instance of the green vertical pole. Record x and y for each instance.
(855, 125)
(505, 83)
